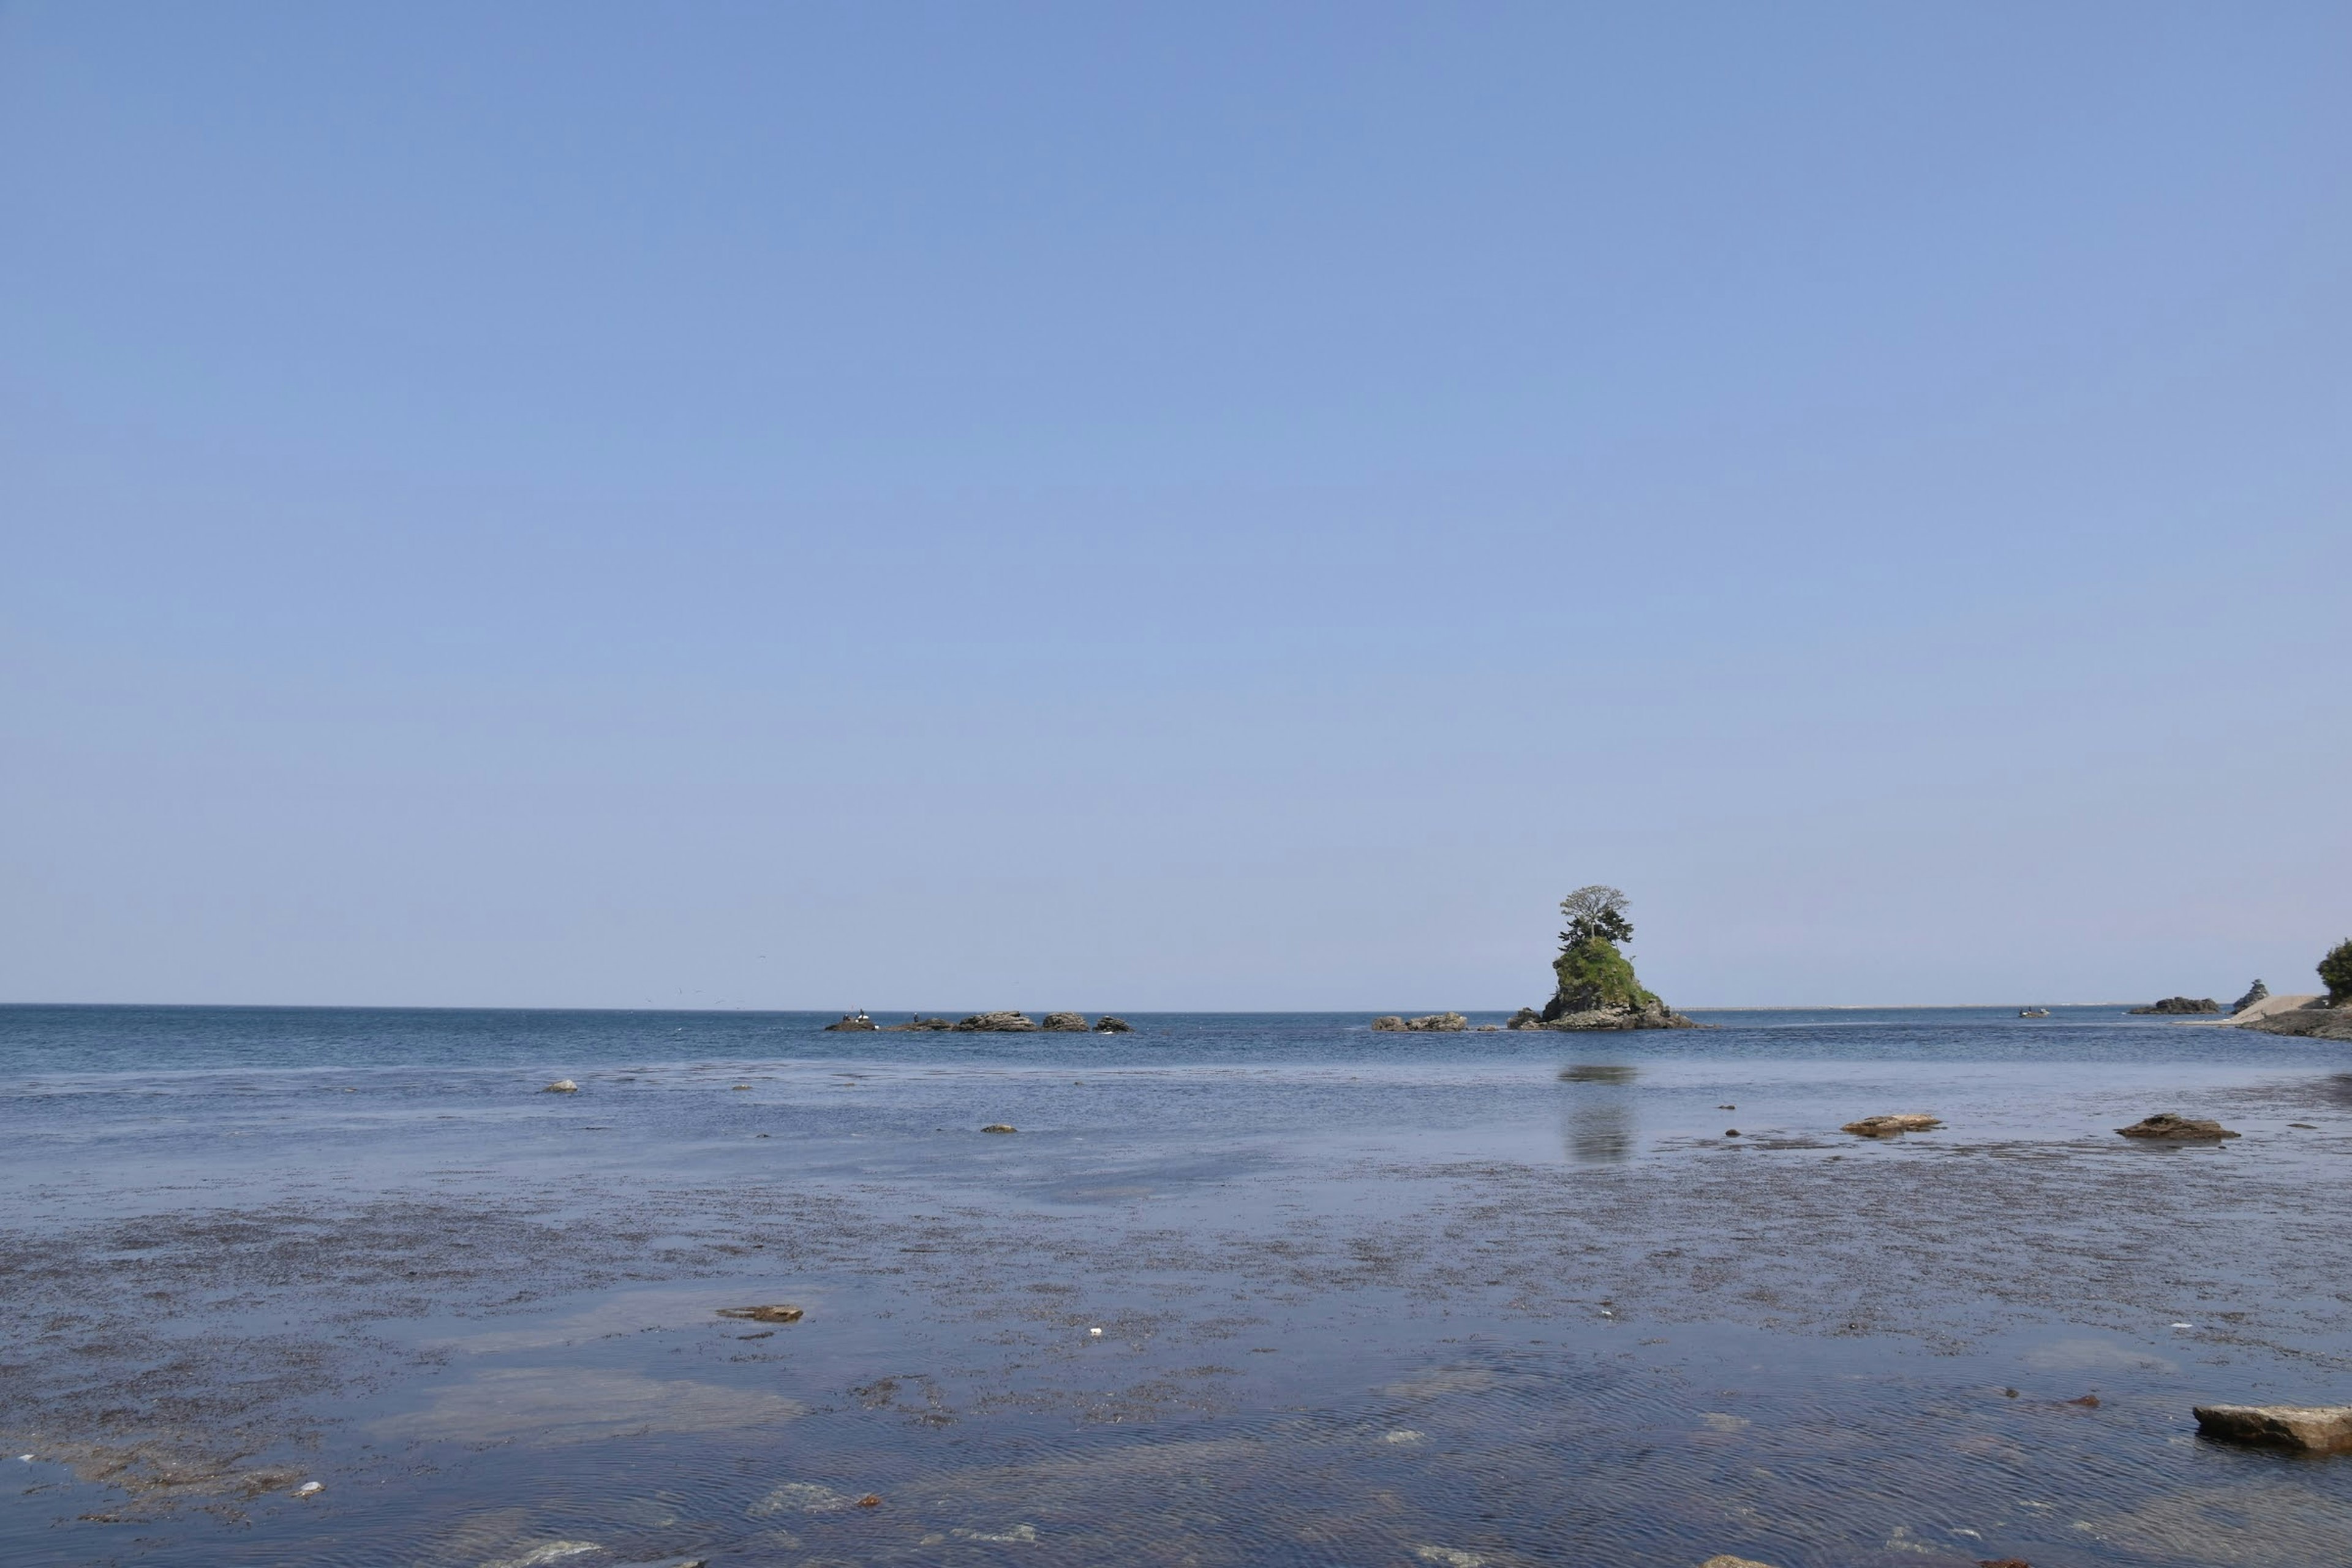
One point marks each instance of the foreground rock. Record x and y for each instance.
(1428, 1023)
(2180, 1005)
(996, 1023)
(2256, 993)
(2179, 1129)
(1107, 1024)
(1893, 1122)
(1065, 1022)
(2314, 1428)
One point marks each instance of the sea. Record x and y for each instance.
(331, 1286)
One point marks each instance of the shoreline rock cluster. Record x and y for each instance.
(1428, 1023)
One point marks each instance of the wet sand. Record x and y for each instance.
(1460, 1315)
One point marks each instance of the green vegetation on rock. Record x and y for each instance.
(2335, 972)
(1594, 973)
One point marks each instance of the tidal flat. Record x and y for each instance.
(1241, 1289)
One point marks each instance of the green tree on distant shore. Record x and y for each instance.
(2335, 972)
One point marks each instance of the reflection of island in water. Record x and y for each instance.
(1599, 1127)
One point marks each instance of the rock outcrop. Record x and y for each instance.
(2313, 1428)
(996, 1023)
(918, 1022)
(2180, 1129)
(852, 1021)
(2257, 993)
(1427, 1023)
(1065, 1022)
(1108, 1024)
(1594, 985)
(2182, 1004)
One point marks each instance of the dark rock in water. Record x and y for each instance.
(1067, 1023)
(2167, 1124)
(918, 1022)
(2314, 1428)
(780, 1312)
(1438, 1023)
(1388, 1023)
(1524, 1018)
(852, 1021)
(996, 1023)
(1000, 1127)
(1651, 1013)
(2182, 1004)
(1107, 1024)
(2257, 993)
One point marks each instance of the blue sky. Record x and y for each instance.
(1232, 507)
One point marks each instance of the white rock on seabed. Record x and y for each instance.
(561, 1086)
(1893, 1122)
(309, 1489)
(554, 1552)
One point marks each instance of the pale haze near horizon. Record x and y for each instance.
(1232, 508)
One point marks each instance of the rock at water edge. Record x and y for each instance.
(2314, 1428)
(1893, 1122)
(1065, 1022)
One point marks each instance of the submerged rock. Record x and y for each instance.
(2182, 1004)
(2314, 1428)
(1067, 1023)
(561, 1086)
(2258, 991)
(1107, 1024)
(1725, 1559)
(779, 1312)
(2167, 1124)
(1893, 1122)
(996, 1023)
(1000, 1127)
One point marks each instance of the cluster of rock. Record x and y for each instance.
(1428, 1023)
(2258, 991)
(2183, 1004)
(1647, 1014)
(996, 1023)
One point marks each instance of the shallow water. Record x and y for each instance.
(1363, 1298)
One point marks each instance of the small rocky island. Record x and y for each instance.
(2180, 1005)
(1595, 987)
(1006, 1023)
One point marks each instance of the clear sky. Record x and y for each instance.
(1197, 506)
